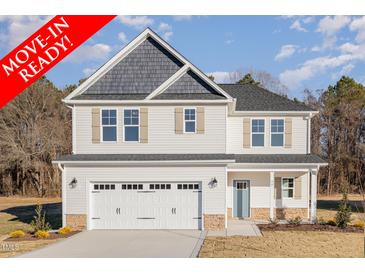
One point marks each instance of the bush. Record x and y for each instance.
(343, 215)
(295, 221)
(359, 224)
(39, 220)
(331, 222)
(42, 234)
(64, 230)
(17, 234)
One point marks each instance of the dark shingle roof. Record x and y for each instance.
(239, 158)
(141, 71)
(139, 96)
(254, 98)
(144, 157)
(279, 158)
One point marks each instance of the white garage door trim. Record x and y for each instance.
(127, 193)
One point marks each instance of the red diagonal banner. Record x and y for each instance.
(44, 49)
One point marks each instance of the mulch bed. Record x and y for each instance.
(31, 237)
(308, 227)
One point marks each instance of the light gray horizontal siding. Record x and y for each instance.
(235, 137)
(161, 133)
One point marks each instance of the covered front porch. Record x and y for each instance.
(263, 192)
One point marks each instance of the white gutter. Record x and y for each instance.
(143, 102)
(277, 113)
(135, 163)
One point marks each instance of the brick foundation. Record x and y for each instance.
(214, 221)
(229, 213)
(76, 221)
(288, 213)
(262, 214)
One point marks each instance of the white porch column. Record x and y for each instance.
(272, 194)
(313, 195)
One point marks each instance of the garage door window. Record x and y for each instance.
(160, 186)
(104, 186)
(188, 186)
(132, 186)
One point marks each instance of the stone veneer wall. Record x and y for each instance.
(229, 213)
(287, 213)
(260, 214)
(214, 221)
(76, 221)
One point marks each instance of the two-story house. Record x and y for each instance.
(159, 145)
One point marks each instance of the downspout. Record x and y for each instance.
(73, 127)
(63, 189)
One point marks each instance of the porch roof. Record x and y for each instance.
(279, 158)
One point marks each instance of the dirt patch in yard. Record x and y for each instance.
(286, 244)
(308, 227)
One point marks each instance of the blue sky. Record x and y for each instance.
(303, 52)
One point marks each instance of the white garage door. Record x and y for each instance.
(154, 205)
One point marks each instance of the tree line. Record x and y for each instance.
(35, 127)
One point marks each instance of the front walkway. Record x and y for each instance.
(238, 228)
(125, 244)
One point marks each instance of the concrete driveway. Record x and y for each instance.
(125, 244)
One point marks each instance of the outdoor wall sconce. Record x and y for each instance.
(213, 183)
(73, 183)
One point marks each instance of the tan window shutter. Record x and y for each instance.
(298, 188)
(288, 132)
(278, 188)
(179, 120)
(200, 121)
(143, 125)
(246, 133)
(95, 124)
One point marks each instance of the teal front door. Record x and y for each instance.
(241, 198)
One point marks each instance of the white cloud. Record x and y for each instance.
(229, 41)
(358, 25)
(308, 20)
(165, 30)
(345, 70)
(88, 71)
(293, 78)
(285, 52)
(89, 53)
(19, 28)
(330, 25)
(164, 27)
(182, 17)
(297, 26)
(122, 37)
(137, 22)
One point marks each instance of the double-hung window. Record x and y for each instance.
(258, 132)
(131, 125)
(277, 132)
(288, 187)
(109, 125)
(190, 120)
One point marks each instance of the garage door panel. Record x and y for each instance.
(157, 205)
